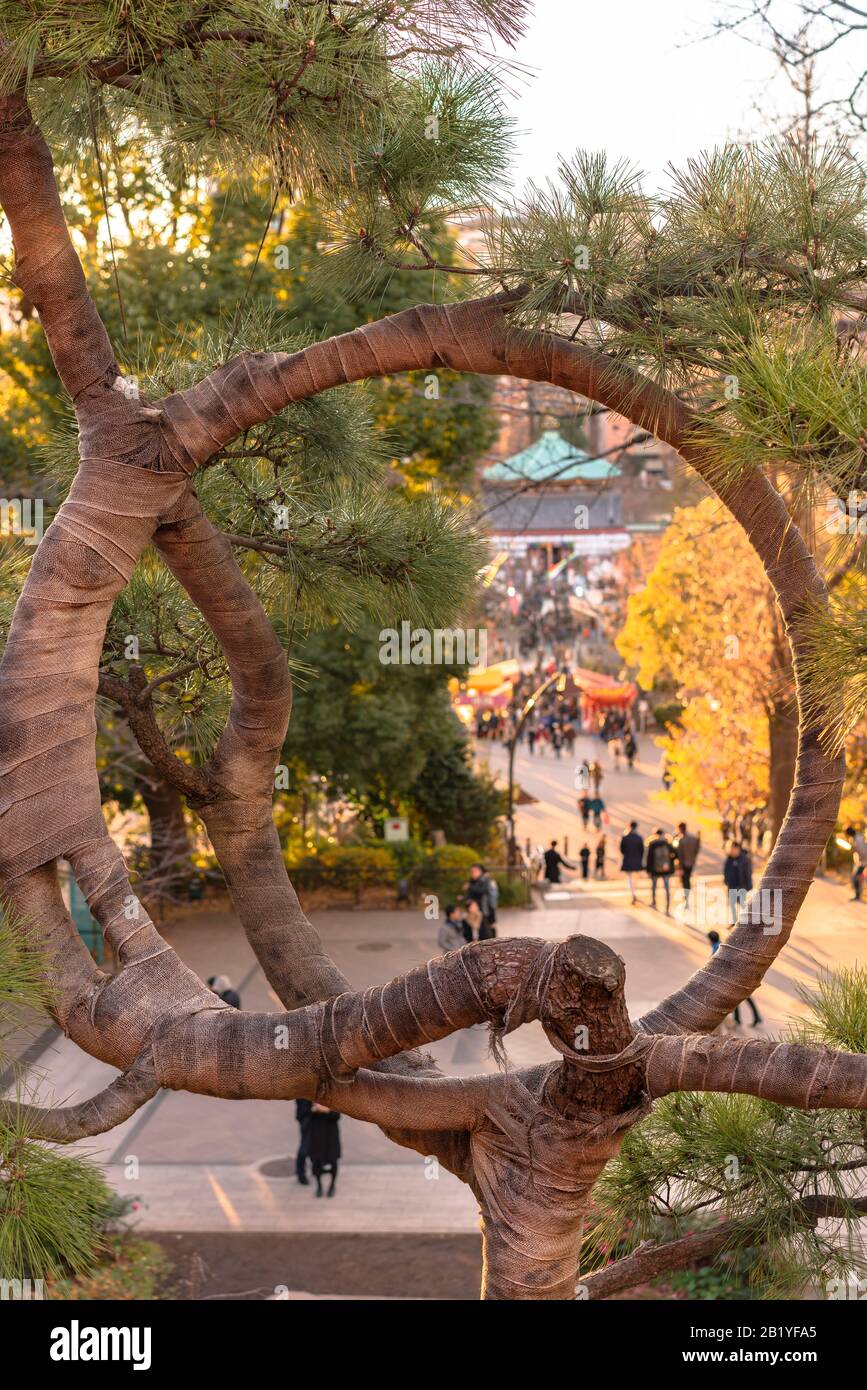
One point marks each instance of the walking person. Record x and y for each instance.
(553, 863)
(302, 1116)
(632, 856)
(481, 900)
(584, 809)
(324, 1145)
(596, 775)
(737, 877)
(686, 848)
(584, 856)
(599, 867)
(858, 846)
(597, 810)
(713, 938)
(660, 866)
(630, 748)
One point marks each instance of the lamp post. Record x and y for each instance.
(558, 678)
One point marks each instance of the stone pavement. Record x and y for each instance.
(195, 1163)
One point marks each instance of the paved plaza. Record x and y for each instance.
(196, 1163)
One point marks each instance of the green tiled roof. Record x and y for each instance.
(551, 457)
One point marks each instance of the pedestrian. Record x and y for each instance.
(450, 936)
(713, 938)
(599, 868)
(324, 1145)
(302, 1116)
(858, 846)
(616, 751)
(738, 877)
(553, 863)
(223, 988)
(584, 808)
(596, 775)
(630, 748)
(686, 847)
(597, 810)
(660, 865)
(584, 856)
(556, 741)
(632, 856)
(481, 895)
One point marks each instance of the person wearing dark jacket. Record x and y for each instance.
(713, 938)
(302, 1115)
(324, 1145)
(686, 847)
(738, 877)
(553, 861)
(632, 856)
(479, 891)
(660, 865)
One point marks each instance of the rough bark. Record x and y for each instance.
(170, 845)
(531, 1143)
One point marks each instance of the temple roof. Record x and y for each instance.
(552, 458)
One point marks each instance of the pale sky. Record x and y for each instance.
(633, 77)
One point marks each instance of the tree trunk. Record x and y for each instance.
(783, 741)
(171, 848)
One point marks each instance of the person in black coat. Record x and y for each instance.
(479, 893)
(302, 1115)
(632, 856)
(324, 1144)
(553, 862)
(738, 877)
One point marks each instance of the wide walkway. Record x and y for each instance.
(199, 1164)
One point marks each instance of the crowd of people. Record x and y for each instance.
(747, 827)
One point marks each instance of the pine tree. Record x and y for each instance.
(711, 319)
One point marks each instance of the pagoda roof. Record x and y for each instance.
(552, 458)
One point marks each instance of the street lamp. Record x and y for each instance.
(558, 678)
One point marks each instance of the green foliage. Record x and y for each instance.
(127, 1268)
(24, 976)
(52, 1209)
(446, 871)
(450, 795)
(306, 89)
(15, 559)
(700, 1157)
(751, 246)
(367, 728)
(345, 867)
(834, 689)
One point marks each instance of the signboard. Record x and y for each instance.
(397, 828)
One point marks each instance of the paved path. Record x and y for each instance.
(196, 1163)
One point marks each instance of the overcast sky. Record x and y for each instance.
(640, 79)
